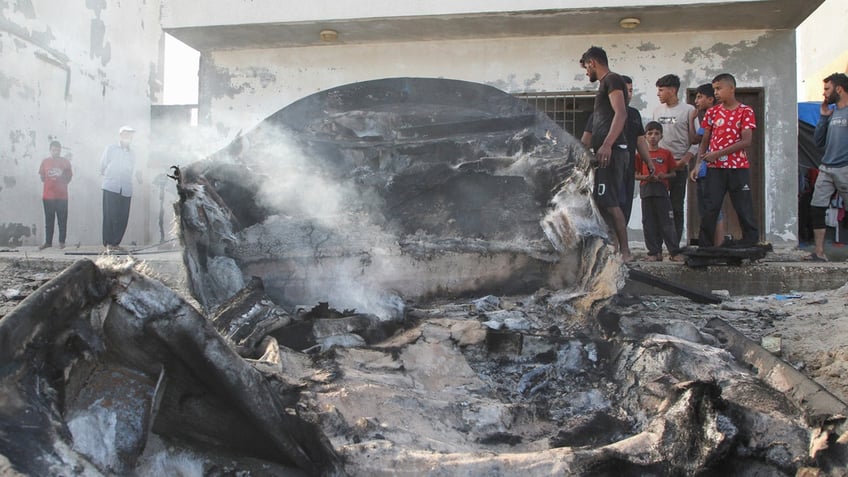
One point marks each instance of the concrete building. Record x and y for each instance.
(258, 57)
(74, 71)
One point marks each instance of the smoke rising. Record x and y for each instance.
(345, 228)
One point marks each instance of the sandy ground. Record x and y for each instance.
(810, 328)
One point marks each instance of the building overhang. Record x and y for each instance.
(264, 27)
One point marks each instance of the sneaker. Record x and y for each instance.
(44, 245)
(61, 245)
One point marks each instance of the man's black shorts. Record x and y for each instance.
(609, 180)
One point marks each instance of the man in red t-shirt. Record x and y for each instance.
(56, 173)
(728, 131)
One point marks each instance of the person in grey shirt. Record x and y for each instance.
(831, 134)
(116, 167)
(674, 117)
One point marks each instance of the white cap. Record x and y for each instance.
(126, 129)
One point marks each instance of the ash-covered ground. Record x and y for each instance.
(518, 384)
(812, 326)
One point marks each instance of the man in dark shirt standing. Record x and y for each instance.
(608, 142)
(634, 132)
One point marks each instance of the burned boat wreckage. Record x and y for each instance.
(397, 277)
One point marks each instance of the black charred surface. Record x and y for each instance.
(249, 316)
(238, 305)
(728, 254)
(426, 158)
(298, 335)
(185, 411)
(64, 356)
(595, 429)
(444, 203)
(27, 432)
(237, 188)
(199, 348)
(697, 296)
(45, 314)
(38, 339)
(420, 133)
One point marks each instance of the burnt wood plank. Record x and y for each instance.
(661, 283)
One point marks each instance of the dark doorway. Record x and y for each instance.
(753, 97)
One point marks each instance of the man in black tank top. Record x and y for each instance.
(609, 143)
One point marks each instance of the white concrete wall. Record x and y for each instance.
(106, 55)
(822, 48)
(241, 88)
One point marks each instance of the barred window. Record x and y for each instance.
(570, 110)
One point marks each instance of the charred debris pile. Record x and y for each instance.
(397, 277)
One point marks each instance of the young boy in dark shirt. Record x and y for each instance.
(704, 100)
(657, 216)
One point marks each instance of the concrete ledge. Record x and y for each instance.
(764, 278)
